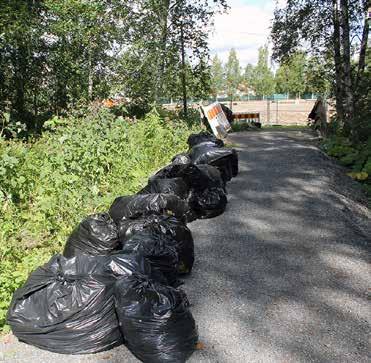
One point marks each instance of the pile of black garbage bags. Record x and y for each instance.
(117, 281)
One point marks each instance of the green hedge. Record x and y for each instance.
(76, 168)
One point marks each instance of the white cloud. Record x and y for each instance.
(245, 27)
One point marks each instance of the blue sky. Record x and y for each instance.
(245, 27)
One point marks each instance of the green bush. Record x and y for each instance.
(357, 157)
(367, 167)
(77, 167)
(349, 159)
(338, 147)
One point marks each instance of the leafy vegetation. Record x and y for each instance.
(335, 33)
(77, 167)
(57, 54)
(356, 157)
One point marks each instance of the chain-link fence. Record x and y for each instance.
(278, 109)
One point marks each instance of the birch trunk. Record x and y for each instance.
(338, 63)
(347, 81)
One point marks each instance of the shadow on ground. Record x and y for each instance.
(282, 275)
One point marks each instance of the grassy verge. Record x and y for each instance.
(238, 127)
(285, 128)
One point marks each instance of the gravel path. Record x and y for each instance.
(282, 275)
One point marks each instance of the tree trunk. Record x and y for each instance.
(184, 84)
(348, 86)
(19, 61)
(162, 56)
(338, 64)
(362, 52)
(90, 75)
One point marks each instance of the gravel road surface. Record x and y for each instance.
(283, 274)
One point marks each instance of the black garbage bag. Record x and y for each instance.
(175, 186)
(155, 320)
(159, 250)
(67, 305)
(226, 160)
(204, 136)
(206, 153)
(207, 203)
(195, 176)
(228, 167)
(95, 235)
(173, 170)
(135, 206)
(169, 226)
(207, 176)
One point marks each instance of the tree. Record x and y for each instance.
(55, 53)
(326, 27)
(181, 43)
(217, 77)
(318, 75)
(248, 76)
(232, 73)
(290, 76)
(263, 80)
(22, 57)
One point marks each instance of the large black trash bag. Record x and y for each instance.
(155, 320)
(67, 305)
(95, 235)
(207, 197)
(207, 203)
(226, 160)
(207, 176)
(169, 226)
(198, 179)
(159, 250)
(195, 176)
(175, 186)
(204, 136)
(173, 170)
(139, 205)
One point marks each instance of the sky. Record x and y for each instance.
(245, 27)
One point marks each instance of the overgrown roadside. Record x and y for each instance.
(77, 167)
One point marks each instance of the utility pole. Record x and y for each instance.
(184, 84)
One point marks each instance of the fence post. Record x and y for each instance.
(277, 112)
